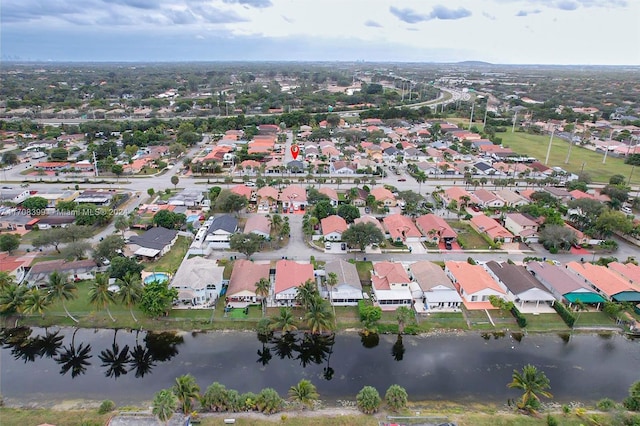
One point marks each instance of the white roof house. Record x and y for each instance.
(438, 292)
(198, 281)
(348, 290)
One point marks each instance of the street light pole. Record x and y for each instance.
(553, 130)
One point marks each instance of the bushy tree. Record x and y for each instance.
(35, 205)
(396, 397)
(109, 248)
(169, 220)
(323, 209)
(165, 404)
(348, 212)
(368, 400)
(362, 234)
(304, 393)
(9, 242)
(246, 244)
(157, 298)
(269, 402)
(121, 266)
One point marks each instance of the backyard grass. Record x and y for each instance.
(545, 322)
(172, 260)
(593, 319)
(536, 146)
(442, 320)
(468, 238)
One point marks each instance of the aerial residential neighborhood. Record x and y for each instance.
(460, 211)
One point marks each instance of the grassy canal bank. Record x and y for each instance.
(420, 412)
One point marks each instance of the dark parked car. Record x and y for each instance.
(343, 246)
(367, 210)
(447, 245)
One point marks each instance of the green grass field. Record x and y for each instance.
(536, 146)
(172, 260)
(468, 238)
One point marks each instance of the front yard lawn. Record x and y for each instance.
(545, 322)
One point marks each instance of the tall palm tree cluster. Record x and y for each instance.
(139, 359)
(19, 299)
(318, 317)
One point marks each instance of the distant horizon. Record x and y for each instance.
(324, 61)
(509, 32)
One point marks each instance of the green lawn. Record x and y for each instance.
(593, 319)
(468, 238)
(172, 260)
(364, 271)
(442, 320)
(536, 146)
(545, 322)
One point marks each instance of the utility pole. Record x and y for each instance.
(553, 130)
(95, 163)
(515, 118)
(606, 151)
(486, 109)
(473, 105)
(575, 124)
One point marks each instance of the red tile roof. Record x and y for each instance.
(291, 274)
(387, 273)
(333, 223)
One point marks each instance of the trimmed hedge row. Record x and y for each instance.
(520, 319)
(564, 313)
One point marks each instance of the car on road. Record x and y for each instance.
(327, 246)
(402, 179)
(250, 184)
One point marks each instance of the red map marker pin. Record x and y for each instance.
(295, 150)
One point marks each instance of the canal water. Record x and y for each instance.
(128, 367)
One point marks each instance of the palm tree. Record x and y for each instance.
(306, 292)
(60, 288)
(533, 383)
(100, 295)
(115, 359)
(74, 359)
(262, 289)
(318, 317)
(187, 390)
(332, 281)
(284, 321)
(5, 279)
(421, 178)
(130, 291)
(36, 301)
(12, 299)
(304, 393)
(403, 315)
(165, 404)
(140, 359)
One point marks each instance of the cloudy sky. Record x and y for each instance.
(500, 31)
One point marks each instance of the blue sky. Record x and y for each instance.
(599, 32)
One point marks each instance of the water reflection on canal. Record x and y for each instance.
(129, 366)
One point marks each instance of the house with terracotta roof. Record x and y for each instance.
(488, 199)
(511, 198)
(435, 228)
(267, 198)
(259, 225)
(390, 285)
(401, 228)
(332, 227)
(370, 219)
(522, 227)
(348, 290)
(331, 193)
(384, 196)
(522, 287)
(438, 292)
(486, 225)
(289, 276)
(459, 195)
(628, 271)
(14, 266)
(242, 285)
(474, 284)
(242, 190)
(293, 196)
(606, 282)
(563, 284)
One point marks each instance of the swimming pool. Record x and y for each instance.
(157, 276)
